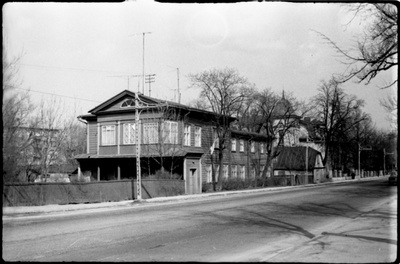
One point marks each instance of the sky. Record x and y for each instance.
(83, 53)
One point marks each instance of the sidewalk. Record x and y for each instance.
(56, 208)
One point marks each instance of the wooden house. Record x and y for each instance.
(175, 140)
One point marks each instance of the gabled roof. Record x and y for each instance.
(112, 100)
(146, 99)
(294, 158)
(249, 135)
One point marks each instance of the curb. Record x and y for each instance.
(21, 211)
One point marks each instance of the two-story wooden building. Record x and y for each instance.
(174, 139)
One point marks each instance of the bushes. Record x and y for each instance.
(239, 184)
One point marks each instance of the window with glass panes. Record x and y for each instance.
(215, 135)
(233, 142)
(197, 136)
(128, 133)
(209, 173)
(234, 171)
(216, 171)
(253, 172)
(252, 146)
(170, 132)
(262, 147)
(186, 135)
(150, 133)
(225, 171)
(108, 135)
(241, 145)
(242, 172)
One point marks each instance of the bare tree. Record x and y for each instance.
(390, 106)
(15, 117)
(166, 150)
(376, 50)
(339, 113)
(225, 92)
(277, 117)
(52, 128)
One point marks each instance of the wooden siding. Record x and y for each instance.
(92, 137)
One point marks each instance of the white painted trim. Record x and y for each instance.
(118, 136)
(87, 139)
(98, 139)
(201, 176)
(184, 173)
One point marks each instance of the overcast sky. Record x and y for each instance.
(85, 51)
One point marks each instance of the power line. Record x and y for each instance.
(29, 90)
(67, 68)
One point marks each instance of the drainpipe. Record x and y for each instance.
(87, 146)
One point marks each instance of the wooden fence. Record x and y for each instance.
(31, 194)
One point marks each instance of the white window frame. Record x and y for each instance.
(242, 172)
(170, 132)
(209, 173)
(234, 172)
(128, 103)
(233, 144)
(108, 135)
(128, 133)
(215, 138)
(252, 172)
(150, 133)
(186, 133)
(252, 146)
(225, 172)
(197, 136)
(216, 169)
(262, 148)
(241, 145)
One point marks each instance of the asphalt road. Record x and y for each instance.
(348, 222)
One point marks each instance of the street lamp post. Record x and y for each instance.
(384, 159)
(359, 161)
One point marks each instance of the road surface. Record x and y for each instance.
(350, 222)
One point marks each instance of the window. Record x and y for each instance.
(241, 145)
(209, 173)
(261, 170)
(216, 145)
(197, 136)
(262, 147)
(129, 133)
(253, 172)
(216, 171)
(234, 171)
(108, 135)
(225, 172)
(252, 147)
(128, 103)
(242, 172)
(170, 132)
(150, 133)
(186, 134)
(233, 141)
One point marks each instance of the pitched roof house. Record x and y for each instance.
(174, 139)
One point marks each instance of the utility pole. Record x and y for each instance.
(150, 79)
(144, 33)
(178, 91)
(137, 130)
(143, 75)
